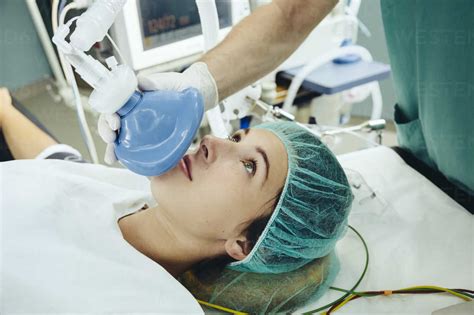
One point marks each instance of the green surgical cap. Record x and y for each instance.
(311, 214)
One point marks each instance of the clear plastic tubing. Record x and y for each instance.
(93, 24)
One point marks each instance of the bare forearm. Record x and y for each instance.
(25, 140)
(262, 41)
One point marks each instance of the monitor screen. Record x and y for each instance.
(168, 21)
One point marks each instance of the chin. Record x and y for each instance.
(155, 185)
(162, 183)
(165, 176)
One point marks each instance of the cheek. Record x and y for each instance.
(221, 186)
(238, 194)
(221, 194)
(219, 198)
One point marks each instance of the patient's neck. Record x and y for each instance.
(165, 242)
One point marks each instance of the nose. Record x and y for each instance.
(212, 147)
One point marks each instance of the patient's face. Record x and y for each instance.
(230, 184)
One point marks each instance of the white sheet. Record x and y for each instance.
(62, 250)
(416, 234)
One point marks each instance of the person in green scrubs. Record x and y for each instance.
(431, 48)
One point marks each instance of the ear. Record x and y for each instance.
(238, 248)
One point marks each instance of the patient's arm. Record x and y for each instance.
(25, 140)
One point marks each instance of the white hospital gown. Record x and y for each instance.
(61, 247)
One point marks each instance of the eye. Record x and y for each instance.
(250, 166)
(234, 138)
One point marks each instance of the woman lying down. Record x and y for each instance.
(78, 237)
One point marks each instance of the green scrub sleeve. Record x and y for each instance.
(431, 49)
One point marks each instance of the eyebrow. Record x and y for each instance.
(262, 152)
(265, 158)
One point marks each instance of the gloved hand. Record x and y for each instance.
(196, 76)
(107, 126)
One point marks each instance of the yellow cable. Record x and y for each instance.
(433, 287)
(350, 297)
(221, 308)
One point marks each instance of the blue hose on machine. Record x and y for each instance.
(245, 122)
